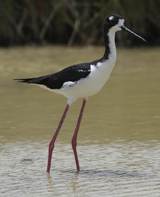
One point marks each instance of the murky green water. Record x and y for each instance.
(119, 138)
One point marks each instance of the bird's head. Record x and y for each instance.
(114, 23)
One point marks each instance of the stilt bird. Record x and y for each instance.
(84, 79)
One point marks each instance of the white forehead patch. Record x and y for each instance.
(121, 22)
(111, 17)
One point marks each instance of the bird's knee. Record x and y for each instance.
(51, 146)
(74, 142)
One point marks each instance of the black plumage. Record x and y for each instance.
(55, 81)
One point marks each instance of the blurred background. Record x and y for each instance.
(74, 22)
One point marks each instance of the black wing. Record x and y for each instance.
(56, 80)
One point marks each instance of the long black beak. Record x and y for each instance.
(128, 30)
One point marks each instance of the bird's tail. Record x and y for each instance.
(29, 80)
(37, 80)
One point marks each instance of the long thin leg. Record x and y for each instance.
(74, 139)
(51, 144)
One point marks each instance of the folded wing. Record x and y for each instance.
(56, 80)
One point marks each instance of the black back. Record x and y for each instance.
(56, 80)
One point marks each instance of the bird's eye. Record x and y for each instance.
(112, 20)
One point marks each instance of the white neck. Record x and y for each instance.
(112, 46)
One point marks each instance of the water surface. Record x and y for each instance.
(119, 138)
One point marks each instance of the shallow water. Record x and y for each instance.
(119, 138)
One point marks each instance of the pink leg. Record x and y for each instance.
(51, 144)
(74, 139)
